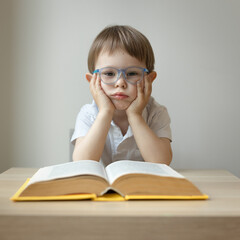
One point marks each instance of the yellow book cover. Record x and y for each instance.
(127, 180)
(17, 196)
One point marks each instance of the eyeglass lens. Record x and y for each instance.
(132, 74)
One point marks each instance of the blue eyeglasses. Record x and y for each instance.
(110, 75)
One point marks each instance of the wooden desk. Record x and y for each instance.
(217, 218)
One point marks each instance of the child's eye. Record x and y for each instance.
(132, 74)
(109, 74)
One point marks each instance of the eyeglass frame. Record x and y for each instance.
(123, 71)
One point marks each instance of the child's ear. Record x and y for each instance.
(89, 76)
(152, 75)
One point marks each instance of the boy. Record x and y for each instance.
(124, 121)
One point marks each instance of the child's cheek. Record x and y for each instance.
(105, 88)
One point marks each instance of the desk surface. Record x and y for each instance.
(174, 219)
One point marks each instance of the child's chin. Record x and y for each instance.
(121, 106)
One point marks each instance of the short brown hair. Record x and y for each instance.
(122, 37)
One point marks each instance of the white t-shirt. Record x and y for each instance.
(117, 146)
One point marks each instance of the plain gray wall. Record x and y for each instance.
(44, 49)
(4, 84)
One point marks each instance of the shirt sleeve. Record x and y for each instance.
(83, 123)
(159, 121)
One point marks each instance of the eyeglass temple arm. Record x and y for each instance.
(96, 71)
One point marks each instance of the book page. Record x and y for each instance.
(123, 167)
(83, 167)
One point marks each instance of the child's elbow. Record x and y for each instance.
(165, 156)
(168, 161)
(169, 157)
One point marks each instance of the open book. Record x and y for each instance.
(89, 179)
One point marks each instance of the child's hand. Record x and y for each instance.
(102, 100)
(144, 90)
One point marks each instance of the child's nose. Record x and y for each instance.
(121, 82)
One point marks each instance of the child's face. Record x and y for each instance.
(121, 93)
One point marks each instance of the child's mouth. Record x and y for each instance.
(119, 96)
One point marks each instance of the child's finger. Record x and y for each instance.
(98, 82)
(96, 85)
(148, 86)
(93, 79)
(140, 88)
